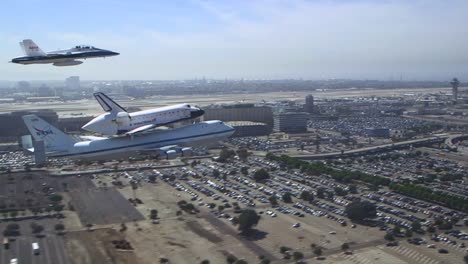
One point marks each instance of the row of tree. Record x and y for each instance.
(424, 193)
(317, 168)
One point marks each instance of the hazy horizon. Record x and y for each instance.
(186, 40)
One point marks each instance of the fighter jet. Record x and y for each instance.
(167, 144)
(118, 121)
(69, 57)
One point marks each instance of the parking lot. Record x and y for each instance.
(51, 246)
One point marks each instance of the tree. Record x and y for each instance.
(307, 196)
(154, 214)
(216, 173)
(389, 237)
(352, 189)
(318, 251)
(231, 259)
(408, 233)
(12, 230)
(205, 261)
(244, 170)
(431, 229)
(340, 191)
(297, 255)
(360, 210)
(273, 200)
(55, 198)
(243, 154)
(226, 154)
(36, 228)
(241, 261)
(152, 178)
(416, 225)
(287, 197)
(59, 227)
(261, 175)
(345, 246)
(58, 208)
(248, 219)
(320, 193)
(13, 214)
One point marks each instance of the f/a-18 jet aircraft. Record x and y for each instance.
(118, 121)
(166, 144)
(68, 57)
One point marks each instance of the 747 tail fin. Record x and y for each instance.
(31, 49)
(54, 139)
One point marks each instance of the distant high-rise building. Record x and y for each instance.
(72, 83)
(290, 122)
(24, 86)
(44, 91)
(309, 104)
(455, 83)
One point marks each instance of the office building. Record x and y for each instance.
(290, 122)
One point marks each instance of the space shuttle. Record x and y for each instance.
(118, 121)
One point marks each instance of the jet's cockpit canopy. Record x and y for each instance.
(84, 47)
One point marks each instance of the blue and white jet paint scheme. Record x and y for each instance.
(117, 121)
(68, 57)
(168, 144)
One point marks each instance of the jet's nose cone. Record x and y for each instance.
(112, 53)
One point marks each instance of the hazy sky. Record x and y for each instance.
(269, 39)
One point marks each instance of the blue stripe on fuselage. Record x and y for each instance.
(138, 145)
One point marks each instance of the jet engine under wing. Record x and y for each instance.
(140, 129)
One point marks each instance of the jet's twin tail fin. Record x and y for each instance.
(108, 104)
(31, 49)
(54, 139)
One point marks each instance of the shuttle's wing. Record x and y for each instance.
(140, 129)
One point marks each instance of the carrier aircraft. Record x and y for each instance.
(166, 143)
(68, 57)
(117, 121)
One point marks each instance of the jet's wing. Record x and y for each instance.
(140, 129)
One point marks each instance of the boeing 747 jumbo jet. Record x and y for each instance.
(69, 57)
(118, 121)
(168, 143)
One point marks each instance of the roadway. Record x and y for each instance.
(374, 149)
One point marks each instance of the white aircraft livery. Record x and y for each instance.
(69, 57)
(118, 121)
(166, 143)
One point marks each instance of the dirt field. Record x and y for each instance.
(96, 247)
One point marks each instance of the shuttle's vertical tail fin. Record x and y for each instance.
(108, 104)
(31, 49)
(54, 139)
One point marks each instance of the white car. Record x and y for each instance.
(14, 261)
(332, 232)
(296, 225)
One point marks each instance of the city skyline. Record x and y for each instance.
(359, 39)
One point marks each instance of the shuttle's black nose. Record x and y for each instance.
(197, 113)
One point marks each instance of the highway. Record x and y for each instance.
(374, 149)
